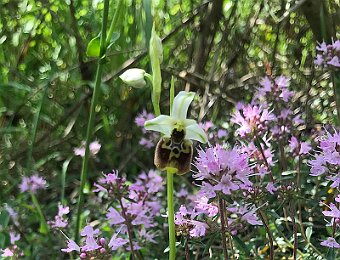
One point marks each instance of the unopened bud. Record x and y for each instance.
(134, 78)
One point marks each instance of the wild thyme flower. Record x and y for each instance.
(94, 149)
(246, 213)
(330, 242)
(187, 225)
(253, 121)
(60, 220)
(274, 90)
(94, 246)
(222, 171)
(328, 55)
(32, 183)
(327, 161)
(262, 160)
(299, 148)
(174, 150)
(149, 139)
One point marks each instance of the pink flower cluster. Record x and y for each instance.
(94, 149)
(299, 148)
(139, 204)
(94, 247)
(112, 184)
(246, 213)
(222, 171)
(32, 183)
(187, 225)
(253, 120)
(150, 138)
(334, 213)
(214, 133)
(327, 161)
(12, 250)
(262, 159)
(190, 219)
(328, 55)
(60, 220)
(274, 90)
(275, 93)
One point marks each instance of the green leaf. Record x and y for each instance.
(93, 48)
(114, 38)
(4, 219)
(209, 243)
(241, 245)
(3, 240)
(288, 173)
(273, 214)
(168, 248)
(309, 231)
(14, 86)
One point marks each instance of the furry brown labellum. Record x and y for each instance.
(174, 152)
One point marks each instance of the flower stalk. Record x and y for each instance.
(223, 231)
(171, 213)
(43, 224)
(128, 226)
(263, 217)
(90, 125)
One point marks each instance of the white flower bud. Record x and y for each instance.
(134, 78)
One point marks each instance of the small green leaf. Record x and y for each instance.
(168, 248)
(4, 219)
(43, 229)
(288, 173)
(309, 231)
(114, 38)
(241, 245)
(273, 214)
(93, 48)
(3, 240)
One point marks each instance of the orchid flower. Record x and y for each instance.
(174, 150)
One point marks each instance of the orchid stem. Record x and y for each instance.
(90, 125)
(171, 214)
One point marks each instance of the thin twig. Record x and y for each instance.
(128, 226)
(270, 236)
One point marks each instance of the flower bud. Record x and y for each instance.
(156, 47)
(134, 78)
(102, 241)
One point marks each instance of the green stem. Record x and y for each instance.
(172, 93)
(118, 13)
(223, 231)
(90, 125)
(43, 224)
(171, 214)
